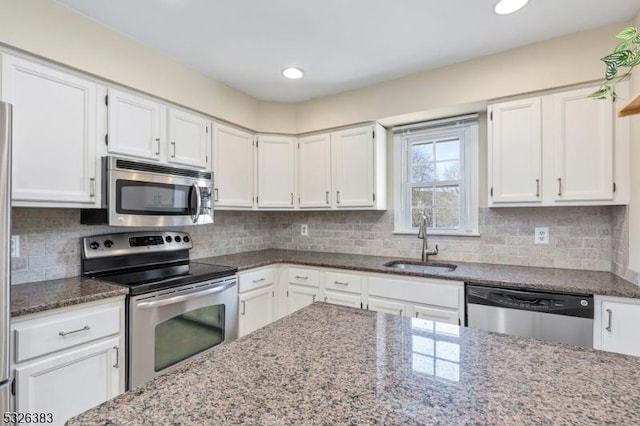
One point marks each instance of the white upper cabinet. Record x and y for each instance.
(54, 134)
(353, 162)
(233, 159)
(563, 148)
(515, 151)
(359, 167)
(314, 171)
(189, 139)
(134, 125)
(276, 171)
(583, 146)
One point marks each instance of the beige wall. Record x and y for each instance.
(276, 117)
(554, 63)
(634, 208)
(47, 29)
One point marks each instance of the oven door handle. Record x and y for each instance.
(195, 215)
(185, 297)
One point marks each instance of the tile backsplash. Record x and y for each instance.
(50, 239)
(593, 238)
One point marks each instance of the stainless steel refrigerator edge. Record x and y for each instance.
(5, 237)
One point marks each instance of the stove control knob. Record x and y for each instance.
(178, 239)
(168, 238)
(108, 243)
(94, 245)
(185, 239)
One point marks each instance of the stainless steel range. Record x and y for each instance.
(176, 308)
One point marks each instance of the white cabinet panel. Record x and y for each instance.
(515, 151)
(353, 162)
(256, 309)
(72, 382)
(343, 299)
(188, 139)
(387, 306)
(449, 316)
(618, 327)
(583, 146)
(233, 159)
(134, 125)
(314, 171)
(54, 134)
(276, 171)
(300, 296)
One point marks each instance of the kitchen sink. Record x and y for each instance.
(414, 266)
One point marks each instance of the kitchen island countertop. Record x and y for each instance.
(520, 277)
(329, 364)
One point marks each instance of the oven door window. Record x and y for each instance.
(188, 334)
(153, 199)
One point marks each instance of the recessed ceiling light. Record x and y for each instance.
(505, 7)
(293, 73)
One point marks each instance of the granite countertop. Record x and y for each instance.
(41, 296)
(544, 279)
(329, 364)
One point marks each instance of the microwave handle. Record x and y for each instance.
(196, 214)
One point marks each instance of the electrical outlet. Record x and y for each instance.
(541, 236)
(304, 230)
(15, 246)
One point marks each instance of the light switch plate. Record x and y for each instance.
(541, 236)
(304, 230)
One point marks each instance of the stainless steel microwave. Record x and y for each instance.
(137, 193)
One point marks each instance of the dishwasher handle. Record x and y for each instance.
(552, 303)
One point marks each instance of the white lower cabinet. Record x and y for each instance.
(69, 360)
(425, 298)
(72, 382)
(269, 293)
(387, 306)
(344, 299)
(299, 296)
(616, 325)
(450, 316)
(257, 299)
(256, 309)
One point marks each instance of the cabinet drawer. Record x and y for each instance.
(304, 276)
(255, 279)
(64, 330)
(343, 282)
(430, 292)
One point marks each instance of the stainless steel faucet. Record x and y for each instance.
(422, 234)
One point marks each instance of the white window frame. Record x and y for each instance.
(465, 127)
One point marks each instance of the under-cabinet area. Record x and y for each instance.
(272, 292)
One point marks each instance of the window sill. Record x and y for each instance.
(437, 233)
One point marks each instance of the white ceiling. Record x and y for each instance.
(341, 44)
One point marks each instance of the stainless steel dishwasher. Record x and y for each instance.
(565, 318)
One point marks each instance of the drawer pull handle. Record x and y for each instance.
(158, 146)
(559, 187)
(314, 298)
(417, 314)
(326, 196)
(117, 364)
(244, 308)
(610, 314)
(340, 283)
(66, 333)
(257, 281)
(300, 277)
(325, 299)
(400, 312)
(537, 187)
